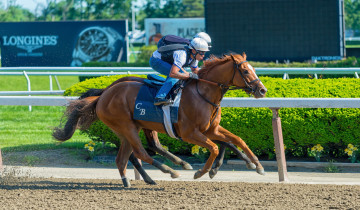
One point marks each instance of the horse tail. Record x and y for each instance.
(80, 114)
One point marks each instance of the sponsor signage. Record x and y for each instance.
(155, 28)
(67, 43)
(325, 58)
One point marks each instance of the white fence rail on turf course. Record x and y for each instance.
(100, 71)
(273, 103)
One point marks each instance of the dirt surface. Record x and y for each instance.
(110, 194)
(77, 158)
(55, 193)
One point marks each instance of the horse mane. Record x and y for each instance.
(214, 61)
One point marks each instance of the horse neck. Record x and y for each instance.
(222, 74)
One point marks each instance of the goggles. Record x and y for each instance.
(201, 52)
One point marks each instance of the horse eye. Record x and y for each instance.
(246, 72)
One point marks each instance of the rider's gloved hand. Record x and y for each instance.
(193, 76)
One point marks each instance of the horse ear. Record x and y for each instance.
(233, 58)
(244, 55)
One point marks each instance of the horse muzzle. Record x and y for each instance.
(260, 91)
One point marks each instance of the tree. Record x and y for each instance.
(193, 8)
(171, 9)
(158, 9)
(14, 13)
(86, 10)
(352, 14)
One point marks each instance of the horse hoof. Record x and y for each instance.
(151, 182)
(212, 173)
(175, 174)
(250, 166)
(126, 182)
(260, 171)
(198, 174)
(187, 166)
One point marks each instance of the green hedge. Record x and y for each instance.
(146, 52)
(302, 127)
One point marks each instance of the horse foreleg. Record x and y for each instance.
(154, 144)
(201, 140)
(227, 136)
(239, 154)
(219, 159)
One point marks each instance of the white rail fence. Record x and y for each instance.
(101, 71)
(273, 103)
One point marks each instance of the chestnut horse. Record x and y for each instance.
(154, 143)
(199, 113)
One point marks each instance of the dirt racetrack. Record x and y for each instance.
(35, 193)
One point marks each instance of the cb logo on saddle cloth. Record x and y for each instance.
(146, 110)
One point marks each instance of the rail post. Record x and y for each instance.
(279, 146)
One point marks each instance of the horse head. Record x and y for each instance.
(244, 77)
(233, 72)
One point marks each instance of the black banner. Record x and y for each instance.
(67, 43)
(270, 30)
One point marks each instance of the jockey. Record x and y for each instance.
(172, 39)
(171, 60)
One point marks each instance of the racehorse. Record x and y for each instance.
(154, 143)
(199, 113)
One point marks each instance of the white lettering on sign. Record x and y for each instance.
(30, 43)
(30, 40)
(188, 32)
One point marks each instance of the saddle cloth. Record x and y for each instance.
(147, 111)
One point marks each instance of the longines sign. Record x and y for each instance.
(62, 43)
(29, 43)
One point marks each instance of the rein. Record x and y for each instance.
(225, 88)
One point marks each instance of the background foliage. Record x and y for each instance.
(302, 128)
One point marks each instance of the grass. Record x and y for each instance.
(19, 83)
(133, 56)
(331, 168)
(21, 130)
(353, 46)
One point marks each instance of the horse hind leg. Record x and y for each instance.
(154, 145)
(141, 170)
(133, 137)
(125, 154)
(122, 159)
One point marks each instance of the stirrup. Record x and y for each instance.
(162, 102)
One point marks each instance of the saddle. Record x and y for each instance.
(156, 81)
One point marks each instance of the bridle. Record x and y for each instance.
(224, 88)
(249, 85)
